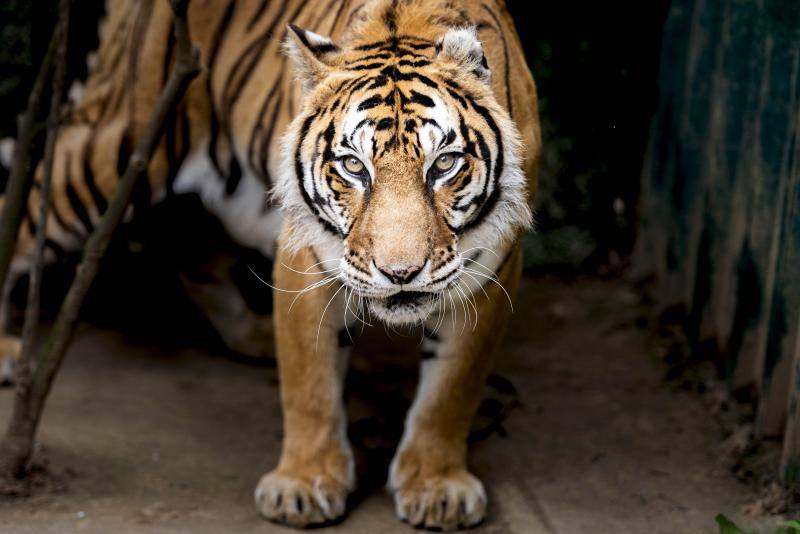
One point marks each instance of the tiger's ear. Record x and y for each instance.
(462, 47)
(311, 53)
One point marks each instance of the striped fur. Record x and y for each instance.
(321, 134)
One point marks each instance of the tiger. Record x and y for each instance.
(383, 154)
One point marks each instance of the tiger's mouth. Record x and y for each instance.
(403, 307)
(406, 298)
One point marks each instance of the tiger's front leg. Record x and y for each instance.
(315, 472)
(428, 475)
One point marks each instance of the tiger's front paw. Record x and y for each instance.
(300, 501)
(10, 349)
(448, 501)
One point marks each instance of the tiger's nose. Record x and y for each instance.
(401, 274)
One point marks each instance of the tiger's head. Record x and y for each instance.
(400, 162)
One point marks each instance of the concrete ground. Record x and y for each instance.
(579, 433)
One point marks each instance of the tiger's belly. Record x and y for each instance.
(246, 213)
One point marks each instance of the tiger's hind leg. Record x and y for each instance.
(10, 346)
(240, 313)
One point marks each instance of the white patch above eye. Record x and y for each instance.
(359, 133)
(434, 130)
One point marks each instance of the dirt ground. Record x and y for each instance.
(581, 433)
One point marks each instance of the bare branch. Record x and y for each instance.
(15, 194)
(16, 449)
(22, 373)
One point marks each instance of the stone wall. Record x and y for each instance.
(720, 208)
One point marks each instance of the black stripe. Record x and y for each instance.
(75, 202)
(298, 162)
(423, 100)
(344, 338)
(244, 65)
(337, 17)
(369, 57)
(505, 58)
(62, 222)
(57, 249)
(123, 154)
(371, 46)
(489, 204)
(385, 124)
(370, 103)
(142, 194)
(458, 97)
(239, 75)
(100, 202)
(256, 134)
(416, 64)
(178, 158)
(258, 14)
(266, 139)
(368, 66)
(29, 220)
(430, 334)
(170, 147)
(216, 41)
(234, 177)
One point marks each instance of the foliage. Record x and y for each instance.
(25, 29)
(595, 65)
(726, 526)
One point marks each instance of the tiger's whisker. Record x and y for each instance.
(481, 248)
(311, 287)
(463, 308)
(307, 272)
(480, 285)
(481, 265)
(469, 303)
(321, 262)
(494, 280)
(347, 294)
(280, 289)
(322, 317)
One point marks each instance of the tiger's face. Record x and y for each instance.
(400, 164)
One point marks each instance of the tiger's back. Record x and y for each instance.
(224, 140)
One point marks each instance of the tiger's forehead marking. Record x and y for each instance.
(394, 101)
(411, 127)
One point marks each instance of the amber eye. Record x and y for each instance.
(353, 165)
(445, 162)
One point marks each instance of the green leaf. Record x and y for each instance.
(726, 526)
(793, 526)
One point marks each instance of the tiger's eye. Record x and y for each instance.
(353, 166)
(445, 162)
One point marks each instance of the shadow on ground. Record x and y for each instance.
(579, 433)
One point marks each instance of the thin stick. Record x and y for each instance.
(16, 449)
(22, 374)
(16, 189)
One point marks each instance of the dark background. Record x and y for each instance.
(595, 63)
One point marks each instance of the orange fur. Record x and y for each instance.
(429, 67)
